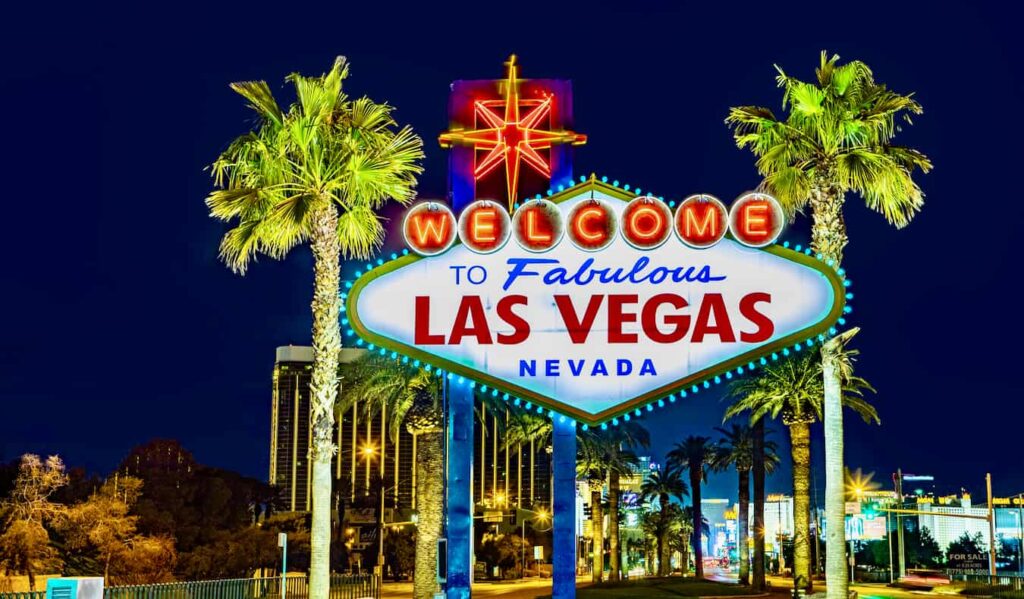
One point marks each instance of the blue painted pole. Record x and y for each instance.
(564, 509)
(460, 492)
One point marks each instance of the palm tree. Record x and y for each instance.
(664, 485)
(319, 172)
(695, 454)
(409, 396)
(794, 389)
(736, 449)
(620, 461)
(591, 465)
(836, 138)
(760, 469)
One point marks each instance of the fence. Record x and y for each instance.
(343, 586)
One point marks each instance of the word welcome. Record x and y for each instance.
(646, 222)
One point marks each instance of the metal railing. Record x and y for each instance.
(343, 586)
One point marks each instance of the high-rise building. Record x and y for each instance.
(289, 428)
(366, 460)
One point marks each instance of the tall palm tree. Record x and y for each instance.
(620, 461)
(695, 454)
(760, 468)
(836, 138)
(794, 390)
(410, 396)
(664, 485)
(318, 173)
(736, 450)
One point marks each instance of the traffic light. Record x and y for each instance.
(870, 510)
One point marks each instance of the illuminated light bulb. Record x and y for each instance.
(701, 221)
(646, 223)
(484, 227)
(429, 228)
(756, 219)
(591, 225)
(538, 226)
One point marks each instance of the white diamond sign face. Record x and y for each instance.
(595, 334)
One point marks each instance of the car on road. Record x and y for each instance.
(923, 579)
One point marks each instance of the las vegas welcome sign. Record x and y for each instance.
(595, 302)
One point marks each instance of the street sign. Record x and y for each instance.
(594, 329)
(859, 527)
(494, 517)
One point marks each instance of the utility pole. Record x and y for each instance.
(991, 530)
(898, 481)
(888, 541)
(1020, 538)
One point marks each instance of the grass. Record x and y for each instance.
(660, 588)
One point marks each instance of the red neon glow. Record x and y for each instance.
(484, 227)
(538, 225)
(591, 225)
(701, 221)
(511, 138)
(756, 219)
(429, 228)
(646, 222)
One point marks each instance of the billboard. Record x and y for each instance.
(591, 303)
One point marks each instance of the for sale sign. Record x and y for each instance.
(595, 302)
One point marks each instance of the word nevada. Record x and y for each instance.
(645, 223)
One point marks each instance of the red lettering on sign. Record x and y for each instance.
(713, 305)
(748, 308)
(680, 323)
(617, 317)
(470, 321)
(520, 328)
(421, 317)
(578, 328)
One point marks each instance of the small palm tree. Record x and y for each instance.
(736, 450)
(794, 390)
(663, 485)
(695, 454)
(318, 173)
(591, 466)
(836, 138)
(410, 396)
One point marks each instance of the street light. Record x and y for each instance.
(541, 515)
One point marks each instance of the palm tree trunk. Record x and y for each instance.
(597, 529)
(698, 520)
(323, 390)
(828, 238)
(613, 524)
(429, 489)
(742, 522)
(800, 444)
(759, 475)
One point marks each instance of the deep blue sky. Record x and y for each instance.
(119, 324)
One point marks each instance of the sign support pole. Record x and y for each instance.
(459, 490)
(564, 509)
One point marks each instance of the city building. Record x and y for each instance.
(1009, 518)
(364, 459)
(504, 478)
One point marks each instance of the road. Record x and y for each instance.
(532, 588)
(527, 589)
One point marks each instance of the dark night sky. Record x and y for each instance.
(119, 324)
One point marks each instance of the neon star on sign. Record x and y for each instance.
(596, 331)
(513, 135)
